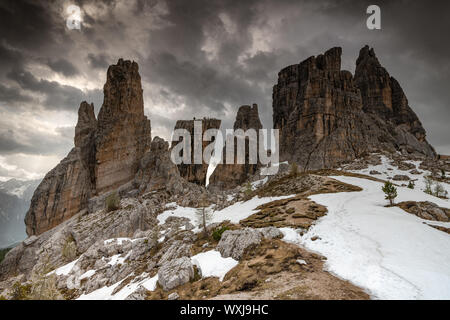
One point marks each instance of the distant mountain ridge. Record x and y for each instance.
(15, 196)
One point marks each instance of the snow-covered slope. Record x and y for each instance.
(391, 253)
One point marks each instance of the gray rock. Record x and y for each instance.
(175, 273)
(176, 249)
(400, 177)
(139, 294)
(234, 243)
(173, 296)
(271, 233)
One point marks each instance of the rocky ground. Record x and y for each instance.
(143, 250)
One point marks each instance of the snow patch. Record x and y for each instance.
(391, 253)
(212, 264)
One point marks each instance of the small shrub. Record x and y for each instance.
(439, 191)
(44, 287)
(69, 250)
(197, 274)
(20, 292)
(112, 202)
(443, 173)
(217, 234)
(248, 190)
(411, 184)
(293, 169)
(428, 185)
(390, 191)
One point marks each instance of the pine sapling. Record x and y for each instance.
(390, 191)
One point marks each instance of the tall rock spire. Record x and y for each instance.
(228, 176)
(383, 96)
(326, 116)
(123, 130)
(107, 152)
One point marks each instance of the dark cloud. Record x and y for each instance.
(57, 96)
(63, 67)
(99, 61)
(12, 95)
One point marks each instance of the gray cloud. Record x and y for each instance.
(100, 61)
(57, 96)
(63, 66)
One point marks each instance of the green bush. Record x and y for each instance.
(428, 185)
(21, 292)
(248, 190)
(411, 184)
(439, 191)
(112, 202)
(390, 191)
(217, 234)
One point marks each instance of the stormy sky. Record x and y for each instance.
(198, 58)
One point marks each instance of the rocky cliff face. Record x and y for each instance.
(323, 118)
(383, 97)
(123, 134)
(228, 176)
(107, 152)
(195, 173)
(66, 189)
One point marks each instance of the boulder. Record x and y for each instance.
(233, 243)
(175, 273)
(400, 177)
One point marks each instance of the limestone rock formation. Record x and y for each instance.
(66, 189)
(228, 176)
(195, 173)
(323, 118)
(123, 130)
(107, 152)
(175, 273)
(233, 243)
(383, 96)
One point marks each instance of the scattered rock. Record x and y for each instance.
(426, 210)
(175, 273)
(234, 242)
(400, 177)
(173, 296)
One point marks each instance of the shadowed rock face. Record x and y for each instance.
(123, 130)
(228, 176)
(195, 173)
(383, 97)
(66, 189)
(107, 152)
(323, 113)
